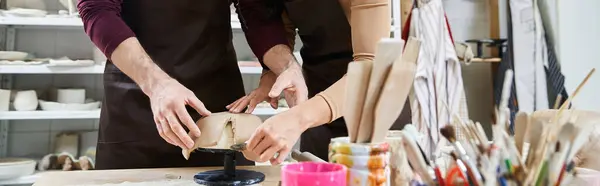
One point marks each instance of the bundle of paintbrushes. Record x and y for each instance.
(542, 151)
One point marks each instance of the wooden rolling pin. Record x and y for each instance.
(305, 156)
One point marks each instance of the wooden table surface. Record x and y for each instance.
(272, 175)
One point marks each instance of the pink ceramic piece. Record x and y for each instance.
(313, 173)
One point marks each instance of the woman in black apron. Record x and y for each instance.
(329, 44)
(187, 42)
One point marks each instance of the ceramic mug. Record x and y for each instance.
(4, 99)
(368, 164)
(71, 96)
(26, 100)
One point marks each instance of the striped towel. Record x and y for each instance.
(438, 79)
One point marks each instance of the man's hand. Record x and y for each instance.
(258, 95)
(168, 100)
(290, 82)
(278, 134)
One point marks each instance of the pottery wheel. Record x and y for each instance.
(229, 176)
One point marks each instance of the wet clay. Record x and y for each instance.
(223, 129)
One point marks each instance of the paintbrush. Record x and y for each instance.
(416, 161)
(449, 133)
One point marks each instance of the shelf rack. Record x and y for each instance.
(93, 69)
(8, 29)
(64, 22)
(92, 114)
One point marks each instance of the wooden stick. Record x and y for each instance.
(568, 101)
(557, 102)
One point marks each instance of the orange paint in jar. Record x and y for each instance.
(368, 164)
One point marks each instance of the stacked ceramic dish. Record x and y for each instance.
(31, 12)
(23, 58)
(16, 167)
(17, 58)
(70, 100)
(24, 12)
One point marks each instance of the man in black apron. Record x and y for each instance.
(163, 55)
(326, 52)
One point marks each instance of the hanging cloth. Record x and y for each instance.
(506, 64)
(438, 79)
(554, 76)
(528, 58)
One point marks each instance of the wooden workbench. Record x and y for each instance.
(272, 177)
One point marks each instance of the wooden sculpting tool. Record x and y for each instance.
(356, 90)
(521, 123)
(395, 90)
(388, 51)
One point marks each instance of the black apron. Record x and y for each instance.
(192, 42)
(326, 52)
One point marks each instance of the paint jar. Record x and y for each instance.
(368, 164)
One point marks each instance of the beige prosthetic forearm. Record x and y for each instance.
(334, 96)
(370, 21)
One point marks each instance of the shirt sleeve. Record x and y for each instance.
(103, 24)
(290, 30)
(262, 24)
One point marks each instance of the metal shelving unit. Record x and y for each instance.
(8, 29)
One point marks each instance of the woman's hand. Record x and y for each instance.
(278, 134)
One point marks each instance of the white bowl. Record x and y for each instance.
(71, 95)
(25, 100)
(16, 167)
(55, 106)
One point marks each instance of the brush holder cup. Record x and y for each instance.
(368, 164)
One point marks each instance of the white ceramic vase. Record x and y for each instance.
(71, 96)
(26, 100)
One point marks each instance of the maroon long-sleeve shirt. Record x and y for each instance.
(261, 23)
